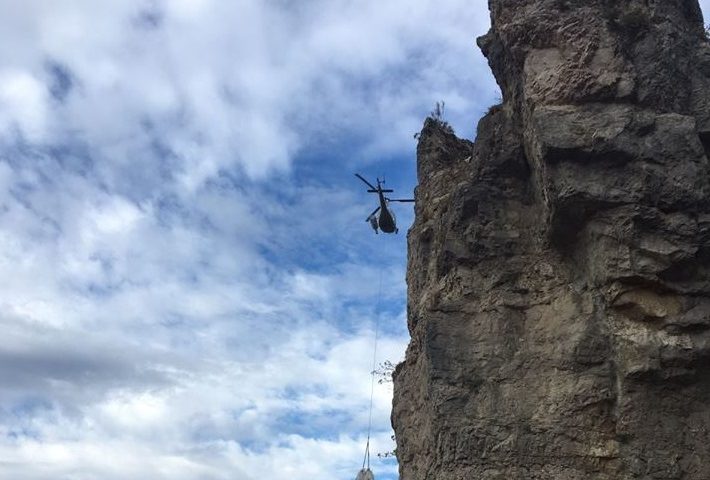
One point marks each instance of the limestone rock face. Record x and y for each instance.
(559, 268)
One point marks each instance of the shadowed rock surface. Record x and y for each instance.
(559, 268)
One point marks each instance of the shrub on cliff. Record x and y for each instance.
(438, 116)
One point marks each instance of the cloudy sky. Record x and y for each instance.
(189, 289)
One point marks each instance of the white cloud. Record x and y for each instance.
(23, 104)
(244, 83)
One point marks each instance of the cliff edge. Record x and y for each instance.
(559, 267)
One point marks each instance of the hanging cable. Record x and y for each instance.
(366, 460)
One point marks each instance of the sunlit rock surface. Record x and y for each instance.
(559, 268)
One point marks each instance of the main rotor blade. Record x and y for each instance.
(366, 182)
(400, 199)
(373, 212)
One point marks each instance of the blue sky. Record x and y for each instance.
(188, 283)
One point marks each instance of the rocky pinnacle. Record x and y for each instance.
(559, 267)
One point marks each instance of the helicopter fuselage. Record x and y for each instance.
(386, 219)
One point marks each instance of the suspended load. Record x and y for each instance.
(365, 474)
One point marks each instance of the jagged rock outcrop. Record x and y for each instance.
(559, 268)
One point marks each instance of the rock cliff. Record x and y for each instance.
(559, 267)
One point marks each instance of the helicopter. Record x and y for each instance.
(386, 220)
